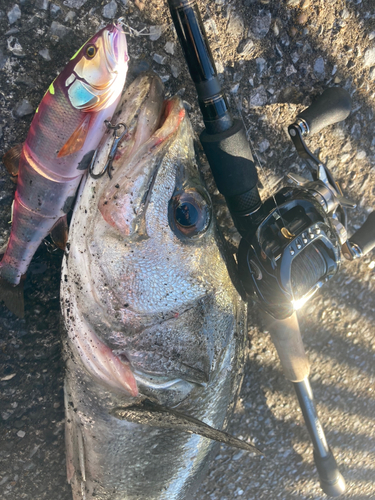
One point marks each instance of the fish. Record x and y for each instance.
(65, 131)
(154, 320)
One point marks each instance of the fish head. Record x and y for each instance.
(153, 286)
(96, 74)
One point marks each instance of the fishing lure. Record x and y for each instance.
(64, 134)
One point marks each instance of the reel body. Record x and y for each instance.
(293, 252)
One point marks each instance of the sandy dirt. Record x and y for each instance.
(273, 58)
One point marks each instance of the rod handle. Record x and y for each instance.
(332, 106)
(364, 238)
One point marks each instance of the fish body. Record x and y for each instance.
(150, 311)
(65, 131)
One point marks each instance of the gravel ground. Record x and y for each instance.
(273, 57)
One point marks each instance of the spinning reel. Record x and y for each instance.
(292, 243)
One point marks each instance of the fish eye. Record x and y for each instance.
(189, 213)
(90, 51)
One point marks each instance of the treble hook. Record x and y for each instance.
(117, 136)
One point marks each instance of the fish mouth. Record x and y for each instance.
(113, 369)
(124, 202)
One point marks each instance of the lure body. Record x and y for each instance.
(64, 134)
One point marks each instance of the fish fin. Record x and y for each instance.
(11, 160)
(77, 139)
(59, 233)
(12, 296)
(149, 413)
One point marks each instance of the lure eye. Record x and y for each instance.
(189, 213)
(90, 51)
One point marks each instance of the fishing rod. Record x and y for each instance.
(292, 242)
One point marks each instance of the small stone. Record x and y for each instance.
(295, 57)
(306, 4)
(290, 70)
(369, 57)
(235, 26)
(361, 155)
(292, 3)
(263, 146)
(3, 59)
(219, 66)
(345, 14)
(344, 158)
(246, 47)
(164, 78)
(276, 29)
(23, 108)
(12, 31)
(319, 67)
(54, 10)
(75, 4)
(261, 64)
(169, 47)
(258, 97)
(293, 31)
(15, 47)
(42, 4)
(175, 70)
(109, 10)
(14, 14)
(159, 59)
(45, 54)
(211, 27)
(155, 32)
(21, 434)
(302, 18)
(71, 15)
(356, 131)
(59, 30)
(371, 35)
(371, 74)
(260, 26)
(234, 89)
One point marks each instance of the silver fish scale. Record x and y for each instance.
(166, 304)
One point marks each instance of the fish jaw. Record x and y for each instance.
(97, 358)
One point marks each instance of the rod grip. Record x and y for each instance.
(332, 106)
(230, 159)
(365, 236)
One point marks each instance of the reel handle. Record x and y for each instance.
(364, 238)
(332, 106)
